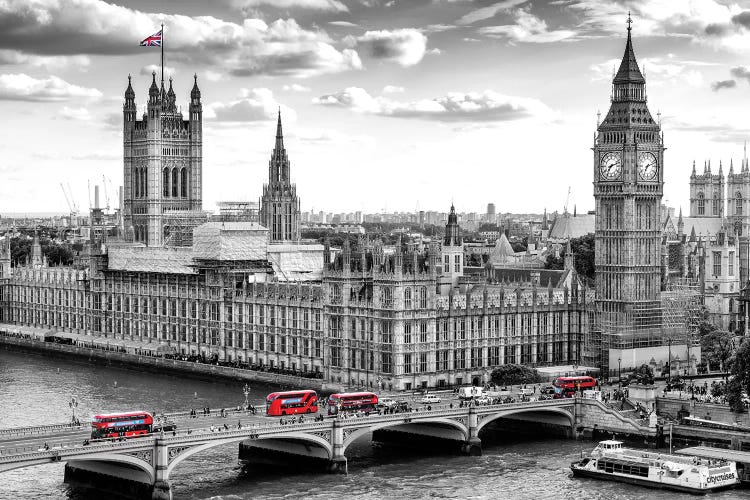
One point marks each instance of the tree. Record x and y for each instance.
(583, 249)
(718, 347)
(741, 366)
(734, 395)
(514, 375)
(643, 375)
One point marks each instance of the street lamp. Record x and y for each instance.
(619, 374)
(73, 403)
(246, 392)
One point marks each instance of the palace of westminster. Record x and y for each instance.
(371, 315)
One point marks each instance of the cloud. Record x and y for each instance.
(74, 27)
(345, 24)
(740, 72)
(393, 89)
(295, 87)
(742, 19)
(258, 104)
(723, 84)
(16, 57)
(155, 68)
(489, 11)
(324, 5)
(22, 87)
(528, 29)
(658, 70)
(713, 128)
(75, 113)
(405, 47)
(212, 76)
(487, 106)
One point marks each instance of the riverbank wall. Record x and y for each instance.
(161, 365)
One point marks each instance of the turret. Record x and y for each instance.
(128, 109)
(5, 257)
(196, 108)
(153, 91)
(171, 99)
(680, 224)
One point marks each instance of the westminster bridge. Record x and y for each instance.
(149, 461)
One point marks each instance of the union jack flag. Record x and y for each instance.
(153, 40)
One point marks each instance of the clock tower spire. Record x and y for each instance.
(628, 168)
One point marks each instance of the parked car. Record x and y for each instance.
(547, 389)
(430, 399)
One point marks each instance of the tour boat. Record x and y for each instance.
(609, 460)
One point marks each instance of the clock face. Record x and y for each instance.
(647, 167)
(610, 166)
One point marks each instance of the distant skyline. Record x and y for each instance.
(387, 105)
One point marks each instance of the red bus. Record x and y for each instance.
(567, 386)
(352, 401)
(291, 403)
(115, 425)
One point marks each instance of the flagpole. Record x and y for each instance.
(162, 55)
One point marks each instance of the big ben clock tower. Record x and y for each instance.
(628, 172)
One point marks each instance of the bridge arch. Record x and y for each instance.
(408, 420)
(187, 450)
(491, 417)
(118, 458)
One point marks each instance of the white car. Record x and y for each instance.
(386, 402)
(430, 399)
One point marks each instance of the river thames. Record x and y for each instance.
(36, 390)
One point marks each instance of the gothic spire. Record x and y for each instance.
(279, 134)
(629, 71)
(195, 93)
(129, 92)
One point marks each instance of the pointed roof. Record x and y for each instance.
(629, 71)
(154, 89)
(692, 234)
(129, 92)
(502, 248)
(170, 92)
(195, 93)
(279, 134)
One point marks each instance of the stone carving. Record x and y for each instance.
(325, 435)
(175, 451)
(145, 455)
(460, 420)
(348, 432)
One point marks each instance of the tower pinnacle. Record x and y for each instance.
(279, 133)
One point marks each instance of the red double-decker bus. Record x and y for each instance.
(291, 403)
(116, 425)
(352, 401)
(567, 386)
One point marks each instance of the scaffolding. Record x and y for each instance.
(179, 224)
(673, 320)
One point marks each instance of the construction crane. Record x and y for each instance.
(106, 195)
(567, 199)
(72, 200)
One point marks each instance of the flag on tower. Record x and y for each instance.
(153, 40)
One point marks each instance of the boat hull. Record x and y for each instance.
(581, 472)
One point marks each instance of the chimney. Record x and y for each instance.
(96, 196)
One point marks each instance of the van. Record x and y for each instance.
(526, 391)
(470, 392)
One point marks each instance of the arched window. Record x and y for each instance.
(175, 181)
(136, 182)
(407, 298)
(144, 180)
(183, 183)
(165, 182)
(423, 297)
(715, 203)
(738, 203)
(701, 204)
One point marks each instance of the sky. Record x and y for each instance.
(388, 105)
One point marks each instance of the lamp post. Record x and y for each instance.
(619, 374)
(246, 392)
(73, 403)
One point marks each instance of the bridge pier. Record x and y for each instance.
(338, 463)
(162, 489)
(473, 445)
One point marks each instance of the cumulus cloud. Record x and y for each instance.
(490, 11)
(258, 104)
(22, 87)
(16, 57)
(527, 29)
(404, 46)
(54, 27)
(296, 87)
(324, 5)
(345, 24)
(723, 84)
(486, 106)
